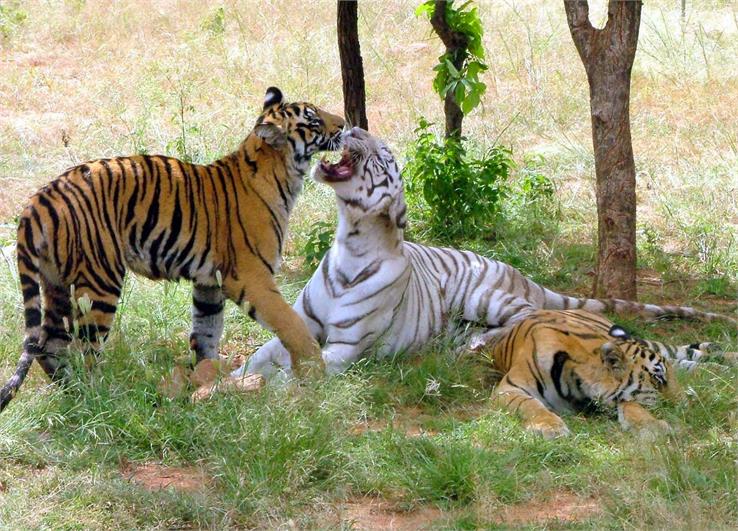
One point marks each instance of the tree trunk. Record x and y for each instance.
(456, 44)
(608, 56)
(352, 66)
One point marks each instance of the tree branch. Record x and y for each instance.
(452, 39)
(582, 31)
(352, 65)
(621, 16)
(456, 45)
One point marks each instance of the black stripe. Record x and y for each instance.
(103, 306)
(557, 369)
(205, 308)
(133, 200)
(32, 317)
(153, 208)
(176, 226)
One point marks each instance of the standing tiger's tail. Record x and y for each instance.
(557, 301)
(29, 275)
(11, 387)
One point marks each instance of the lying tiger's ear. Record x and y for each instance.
(272, 134)
(612, 357)
(273, 96)
(619, 332)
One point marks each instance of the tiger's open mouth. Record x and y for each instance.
(342, 170)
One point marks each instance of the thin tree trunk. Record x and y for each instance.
(352, 66)
(607, 55)
(456, 44)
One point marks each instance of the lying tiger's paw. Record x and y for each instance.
(548, 429)
(651, 430)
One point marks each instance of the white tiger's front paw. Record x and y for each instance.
(271, 372)
(238, 373)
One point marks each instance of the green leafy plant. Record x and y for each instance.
(458, 194)
(462, 82)
(318, 242)
(533, 185)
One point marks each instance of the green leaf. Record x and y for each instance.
(474, 68)
(426, 8)
(459, 94)
(471, 101)
(451, 68)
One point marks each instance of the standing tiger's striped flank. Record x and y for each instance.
(373, 291)
(222, 226)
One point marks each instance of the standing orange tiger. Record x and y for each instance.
(221, 225)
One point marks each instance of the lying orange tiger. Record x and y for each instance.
(569, 360)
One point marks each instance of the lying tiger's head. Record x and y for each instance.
(642, 372)
(366, 179)
(301, 128)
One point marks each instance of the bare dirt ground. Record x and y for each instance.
(375, 513)
(153, 476)
(559, 506)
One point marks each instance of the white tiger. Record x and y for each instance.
(375, 291)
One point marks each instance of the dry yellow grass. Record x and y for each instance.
(80, 80)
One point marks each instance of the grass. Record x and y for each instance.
(415, 431)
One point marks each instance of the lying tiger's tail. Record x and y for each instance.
(28, 272)
(557, 301)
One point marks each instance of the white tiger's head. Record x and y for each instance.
(367, 179)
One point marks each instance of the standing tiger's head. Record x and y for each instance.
(300, 128)
(367, 179)
(642, 372)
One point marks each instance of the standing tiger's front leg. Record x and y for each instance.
(269, 308)
(272, 357)
(207, 321)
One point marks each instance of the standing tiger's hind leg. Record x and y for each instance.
(94, 316)
(55, 330)
(207, 321)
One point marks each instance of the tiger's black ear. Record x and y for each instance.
(619, 332)
(273, 96)
(613, 358)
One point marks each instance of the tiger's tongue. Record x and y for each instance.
(341, 169)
